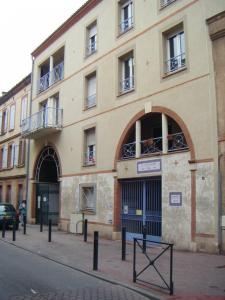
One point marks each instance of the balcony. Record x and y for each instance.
(42, 123)
(176, 142)
(51, 78)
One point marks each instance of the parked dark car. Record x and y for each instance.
(9, 213)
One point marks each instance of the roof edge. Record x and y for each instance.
(82, 11)
(18, 87)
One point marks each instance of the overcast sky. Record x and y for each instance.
(25, 24)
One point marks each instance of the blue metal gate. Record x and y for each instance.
(142, 206)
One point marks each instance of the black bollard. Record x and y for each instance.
(24, 224)
(41, 218)
(144, 239)
(85, 229)
(50, 230)
(95, 254)
(14, 230)
(3, 228)
(123, 243)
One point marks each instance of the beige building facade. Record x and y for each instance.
(14, 109)
(216, 26)
(123, 123)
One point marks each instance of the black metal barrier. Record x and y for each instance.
(144, 232)
(14, 230)
(24, 224)
(3, 228)
(123, 243)
(151, 262)
(95, 252)
(85, 230)
(41, 218)
(50, 230)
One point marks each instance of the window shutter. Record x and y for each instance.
(0, 122)
(6, 121)
(12, 117)
(93, 31)
(4, 158)
(24, 109)
(16, 155)
(92, 86)
(1, 154)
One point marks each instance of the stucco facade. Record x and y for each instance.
(13, 155)
(216, 26)
(163, 100)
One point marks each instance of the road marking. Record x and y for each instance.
(33, 291)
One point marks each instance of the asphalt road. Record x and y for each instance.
(24, 275)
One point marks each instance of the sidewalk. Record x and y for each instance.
(196, 275)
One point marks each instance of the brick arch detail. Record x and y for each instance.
(156, 109)
(38, 155)
(126, 132)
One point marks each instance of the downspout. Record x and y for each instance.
(220, 205)
(28, 147)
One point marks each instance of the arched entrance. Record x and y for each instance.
(144, 153)
(47, 174)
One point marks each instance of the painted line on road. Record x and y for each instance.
(33, 291)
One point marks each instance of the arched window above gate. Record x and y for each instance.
(154, 133)
(48, 169)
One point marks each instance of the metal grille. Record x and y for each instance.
(142, 206)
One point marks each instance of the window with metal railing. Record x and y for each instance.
(91, 46)
(127, 72)
(126, 16)
(89, 147)
(175, 51)
(90, 91)
(164, 3)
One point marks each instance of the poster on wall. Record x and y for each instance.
(175, 199)
(149, 166)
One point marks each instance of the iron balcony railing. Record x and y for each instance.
(127, 84)
(46, 118)
(91, 101)
(164, 3)
(126, 25)
(152, 145)
(177, 142)
(51, 78)
(128, 150)
(175, 63)
(91, 48)
(89, 158)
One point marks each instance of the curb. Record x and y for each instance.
(144, 293)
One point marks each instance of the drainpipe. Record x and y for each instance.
(220, 205)
(28, 147)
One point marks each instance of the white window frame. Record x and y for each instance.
(126, 24)
(91, 39)
(90, 148)
(178, 60)
(91, 90)
(127, 82)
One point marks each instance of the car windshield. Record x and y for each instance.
(6, 208)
